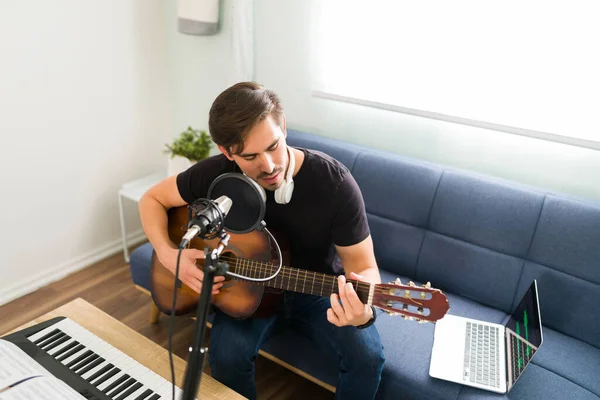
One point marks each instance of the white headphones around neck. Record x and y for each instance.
(283, 194)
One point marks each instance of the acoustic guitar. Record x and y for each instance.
(250, 255)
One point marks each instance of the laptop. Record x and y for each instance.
(485, 355)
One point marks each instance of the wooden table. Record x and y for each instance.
(138, 347)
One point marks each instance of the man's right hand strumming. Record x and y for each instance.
(190, 265)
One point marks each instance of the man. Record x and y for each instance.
(326, 208)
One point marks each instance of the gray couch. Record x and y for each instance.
(482, 241)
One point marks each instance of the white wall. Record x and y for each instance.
(284, 30)
(201, 68)
(85, 105)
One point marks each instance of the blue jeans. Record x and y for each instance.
(234, 345)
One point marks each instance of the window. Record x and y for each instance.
(523, 67)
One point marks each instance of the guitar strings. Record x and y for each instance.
(325, 282)
(257, 266)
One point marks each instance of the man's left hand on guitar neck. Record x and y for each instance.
(350, 311)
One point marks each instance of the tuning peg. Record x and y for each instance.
(422, 321)
(426, 286)
(411, 283)
(391, 313)
(396, 282)
(420, 310)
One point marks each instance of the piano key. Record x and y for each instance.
(97, 374)
(91, 366)
(139, 392)
(132, 389)
(145, 386)
(102, 386)
(154, 397)
(122, 387)
(84, 363)
(71, 353)
(65, 338)
(51, 339)
(61, 348)
(44, 334)
(108, 377)
(115, 384)
(90, 374)
(77, 356)
(166, 391)
(77, 359)
(143, 395)
(144, 375)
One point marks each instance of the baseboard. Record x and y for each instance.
(35, 282)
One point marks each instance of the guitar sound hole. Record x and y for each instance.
(231, 258)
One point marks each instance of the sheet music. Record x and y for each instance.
(16, 365)
(41, 388)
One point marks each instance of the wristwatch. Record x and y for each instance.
(369, 322)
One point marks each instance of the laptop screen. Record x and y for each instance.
(523, 334)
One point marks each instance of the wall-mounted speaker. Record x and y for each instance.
(198, 17)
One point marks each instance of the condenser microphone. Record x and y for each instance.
(208, 219)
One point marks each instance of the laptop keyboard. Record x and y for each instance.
(482, 358)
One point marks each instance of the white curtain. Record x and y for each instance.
(242, 37)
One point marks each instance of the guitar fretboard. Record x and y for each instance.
(296, 280)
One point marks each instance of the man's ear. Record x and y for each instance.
(225, 152)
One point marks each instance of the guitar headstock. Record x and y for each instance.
(422, 303)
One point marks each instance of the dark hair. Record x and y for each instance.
(239, 109)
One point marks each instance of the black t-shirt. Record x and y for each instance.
(326, 207)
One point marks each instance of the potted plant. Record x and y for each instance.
(191, 146)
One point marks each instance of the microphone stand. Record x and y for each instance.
(197, 357)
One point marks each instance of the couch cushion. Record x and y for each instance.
(489, 214)
(407, 346)
(343, 152)
(568, 238)
(570, 358)
(396, 244)
(396, 188)
(139, 265)
(474, 272)
(536, 383)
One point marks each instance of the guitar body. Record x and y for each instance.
(238, 299)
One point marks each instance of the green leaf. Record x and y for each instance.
(192, 143)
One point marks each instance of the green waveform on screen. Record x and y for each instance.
(520, 357)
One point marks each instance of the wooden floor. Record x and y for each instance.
(108, 286)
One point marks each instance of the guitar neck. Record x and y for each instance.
(298, 280)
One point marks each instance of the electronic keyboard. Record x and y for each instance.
(88, 364)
